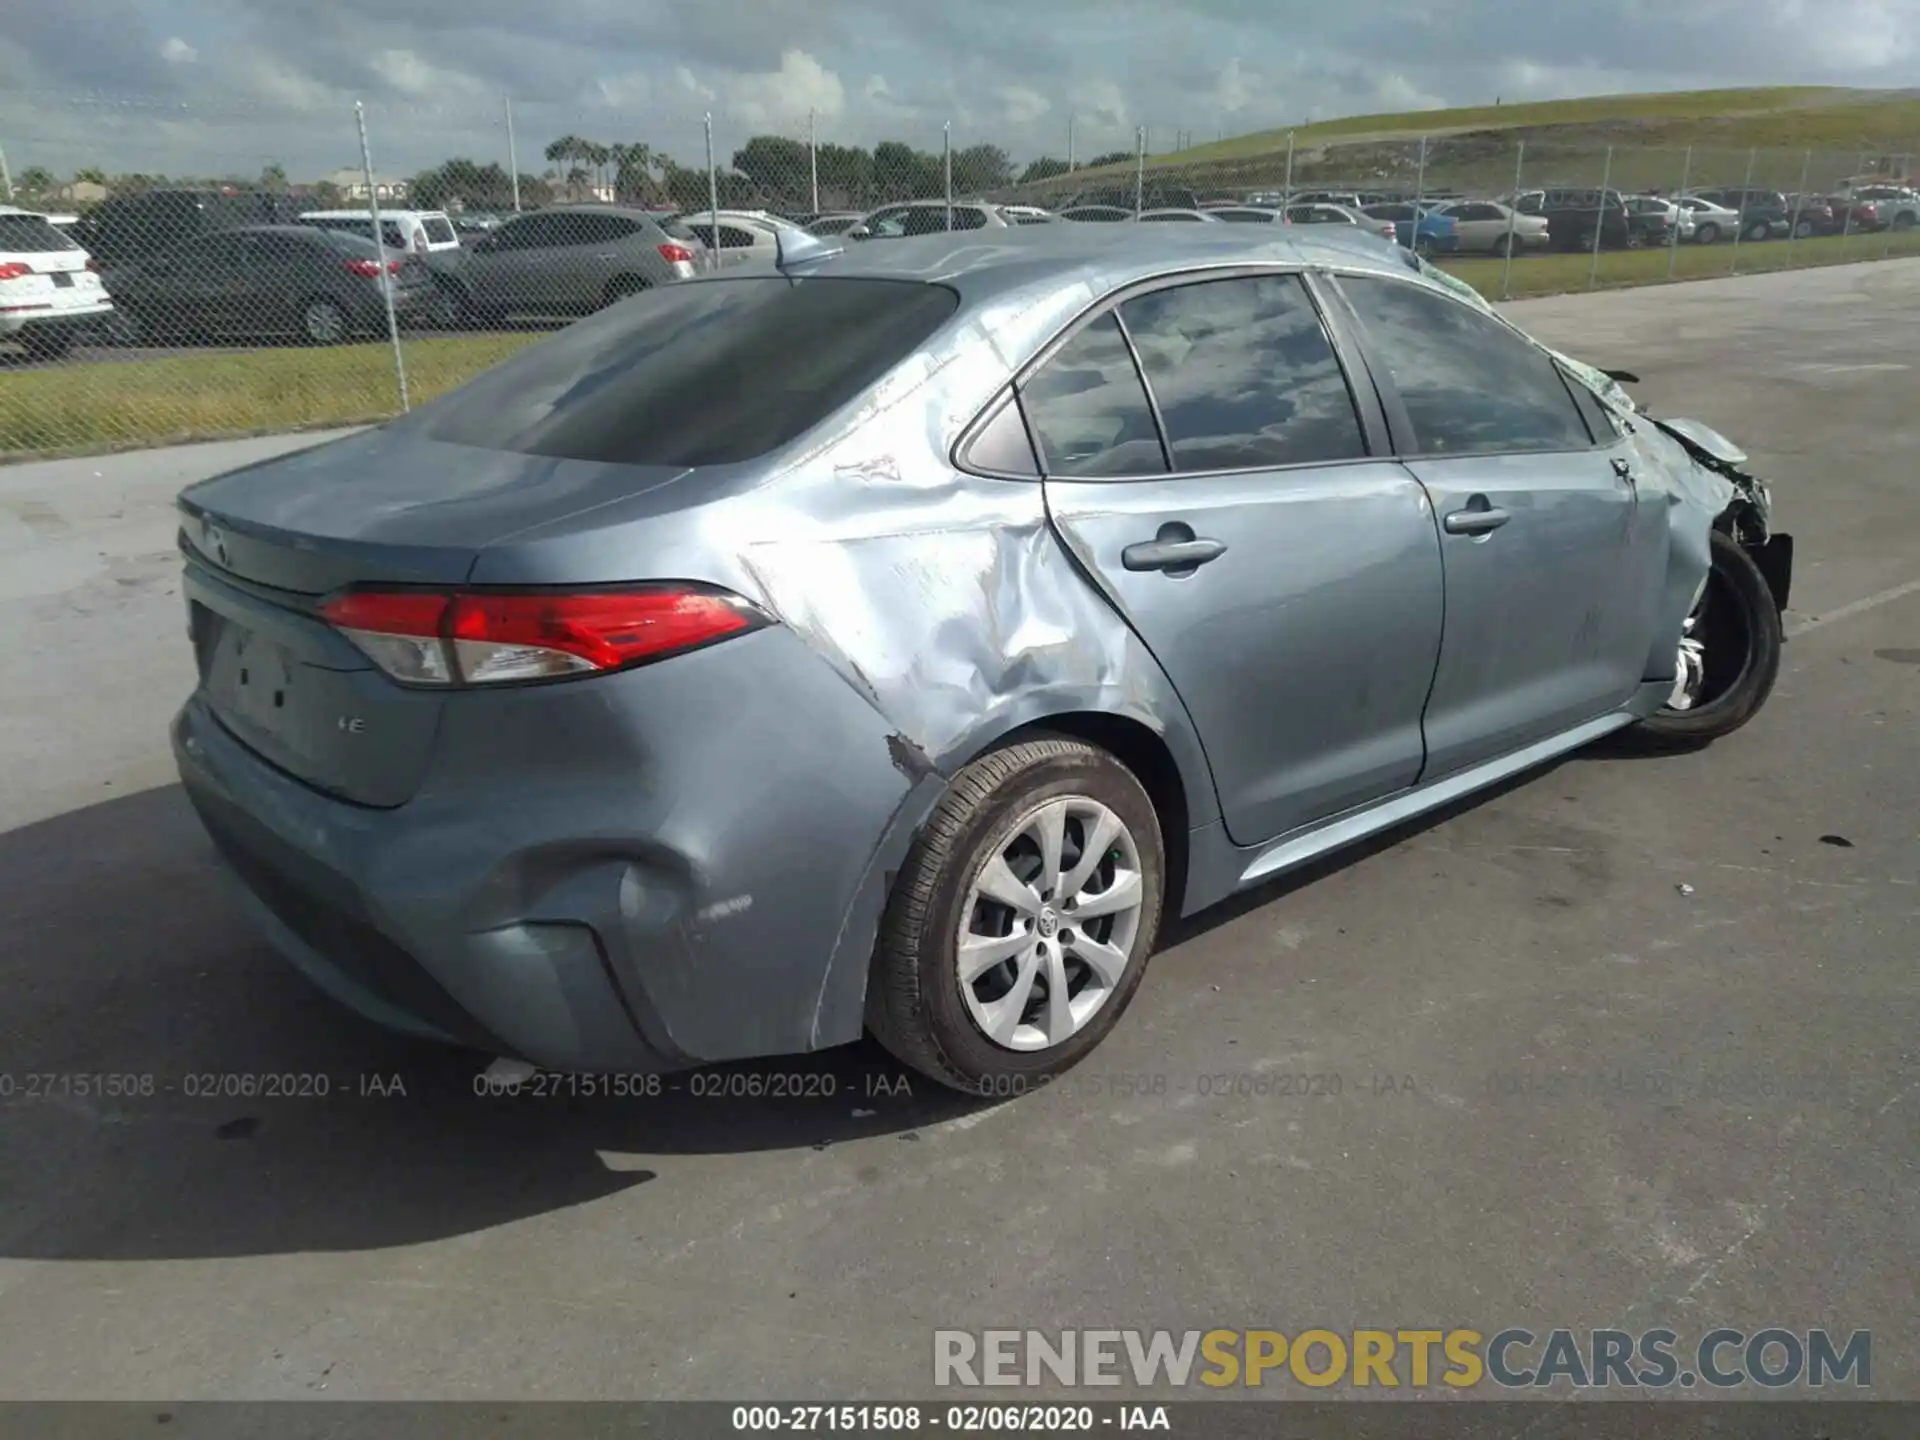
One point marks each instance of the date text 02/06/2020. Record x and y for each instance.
(953, 1419)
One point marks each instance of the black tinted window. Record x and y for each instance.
(1469, 384)
(1243, 374)
(699, 374)
(1089, 413)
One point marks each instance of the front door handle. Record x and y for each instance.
(1624, 470)
(1483, 521)
(1171, 554)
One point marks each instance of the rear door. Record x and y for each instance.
(510, 268)
(1234, 506)
(1553, 563)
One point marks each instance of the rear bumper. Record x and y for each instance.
(44, 322)
(641, 871)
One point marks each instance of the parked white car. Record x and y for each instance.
(743, 235)
(1711, 222)
(49, 290)
(1484, 227)
(417, 232)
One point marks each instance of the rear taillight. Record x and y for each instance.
(93, 265)
(423, 637)
(676, 254)
(370, 269)
(14, 270)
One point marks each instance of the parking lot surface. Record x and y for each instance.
(1631, 1043)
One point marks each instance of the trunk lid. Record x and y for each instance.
(265, 546)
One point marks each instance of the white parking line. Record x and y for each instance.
(1847, 612)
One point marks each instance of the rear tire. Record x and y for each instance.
(323, 322)
(1506, 246)
(995, 816)
(1802, 229)
(1707, 233)
(1759, 230)
(1738, 627)
(1903, 221)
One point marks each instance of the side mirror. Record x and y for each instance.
(1622, 377)
(860, 232)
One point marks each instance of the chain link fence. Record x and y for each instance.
(169, 300)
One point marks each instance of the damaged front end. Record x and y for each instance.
(1747, 515)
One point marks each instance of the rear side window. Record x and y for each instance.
(1470, 385)
(439, 232)
(29, 234)
(709, 373)
(1089, 411)
(1244, 375)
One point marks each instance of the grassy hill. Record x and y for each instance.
(1825, 133)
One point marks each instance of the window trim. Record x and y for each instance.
(1399, 419)
(1375, 430)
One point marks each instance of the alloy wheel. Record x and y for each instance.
(1050, 924)
(324, 322)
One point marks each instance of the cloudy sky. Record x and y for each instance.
(226, 86)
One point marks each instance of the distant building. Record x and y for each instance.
(82, 192)
(352, 185)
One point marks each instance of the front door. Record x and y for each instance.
(1552, 559)
(1287, 580)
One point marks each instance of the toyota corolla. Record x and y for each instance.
(893, 639)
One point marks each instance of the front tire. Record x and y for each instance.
(1730, 655)
(1706, 233)
(1021, 921)
(1759, 230)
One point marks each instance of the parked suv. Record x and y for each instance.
(571, 259)
(1896, 205)
(129, 227)
(1764, 214)
(48, 289)
(1574, 216)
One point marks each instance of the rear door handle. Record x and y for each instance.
(1171, 554)
(1476, 522)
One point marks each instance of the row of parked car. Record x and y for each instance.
(166, 266)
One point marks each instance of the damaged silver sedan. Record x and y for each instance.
(892, 639)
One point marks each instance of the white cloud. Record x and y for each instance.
(178, 52)
(1234, 90)
(1022, 105)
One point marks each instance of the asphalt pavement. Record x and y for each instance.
(1629, 1043)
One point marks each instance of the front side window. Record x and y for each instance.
(1244, 375)
(1469, 384)
(1089, 412)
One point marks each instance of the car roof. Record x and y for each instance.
(1097, 258)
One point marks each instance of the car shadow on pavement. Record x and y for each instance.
(169, 1088)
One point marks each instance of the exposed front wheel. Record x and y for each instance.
(1707, 233)
(1759, 230)
(1020, 924)
(1729, 655)
(1802, 229)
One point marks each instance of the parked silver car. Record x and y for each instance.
(570, 259)
(892, 639)
(1486, 227)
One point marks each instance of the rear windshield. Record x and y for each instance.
(29, 234)
(439, 232)
(707, 373)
